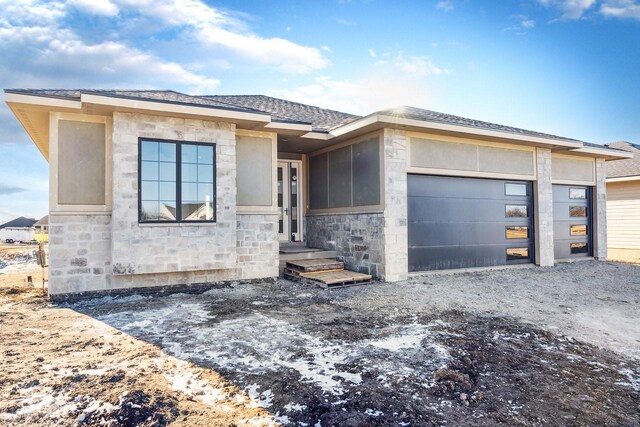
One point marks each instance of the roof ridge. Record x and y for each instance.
(292, 102)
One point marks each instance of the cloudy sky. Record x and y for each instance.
(568, 67)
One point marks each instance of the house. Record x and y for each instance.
(623, 207)
(42, 225)
(17, 230)
(157, 188)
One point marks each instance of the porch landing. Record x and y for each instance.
(293, 251)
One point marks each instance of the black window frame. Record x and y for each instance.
(179, 145)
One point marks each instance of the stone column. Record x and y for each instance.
(396, 265)
(600, 211)
(543, 209)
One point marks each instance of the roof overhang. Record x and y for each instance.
(451, 129)
(604, 153)
(32, 111)
(624, 178)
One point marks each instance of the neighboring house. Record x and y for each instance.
(42, 225)
(153, 188)
(623, 207)
(19, 230)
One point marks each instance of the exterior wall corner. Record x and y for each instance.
(600, 211)
(396, 245)
(543, 207)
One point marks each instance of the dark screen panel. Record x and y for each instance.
(340, 178)
(318, 182)
(366, 173)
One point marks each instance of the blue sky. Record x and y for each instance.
(567, 67)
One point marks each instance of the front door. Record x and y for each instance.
(289, 212)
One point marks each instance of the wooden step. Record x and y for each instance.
(310, 265)
(331, 279)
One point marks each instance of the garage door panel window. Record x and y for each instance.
(578, 193)
(515, 189)
(516, 211)
(517, 254)
(514, 232)
(578, 230)
(579, 248)
(578, 211)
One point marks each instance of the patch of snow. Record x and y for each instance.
(633, 377)
(373, 413)
(106, 300)
(294, 407)
(256, 343)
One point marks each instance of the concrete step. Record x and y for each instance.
(307, 255)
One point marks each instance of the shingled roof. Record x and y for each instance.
(434, 116)
(280, 110)
(167, 96)
(19, 222)
(321, 119)
(626, 167)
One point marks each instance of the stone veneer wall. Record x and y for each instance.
(600, 208)
(106, 252)
(79, 252)
(357, 237)
(151, 248)
(543, 210)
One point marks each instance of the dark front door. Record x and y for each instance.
(572, 221)
(468, 222)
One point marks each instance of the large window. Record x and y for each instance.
(177, 181)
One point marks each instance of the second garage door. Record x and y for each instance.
(468, 222)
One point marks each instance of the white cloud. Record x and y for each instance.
(399, 79)
(524, 24)
(621, 9)
(572, 9)
(372, 53)
(420, 65)
(95, 7)
(528, 23)
(361, 96)
(116, 63)
(445, 5)
(58, 57)
(212, 27)
(20, 11)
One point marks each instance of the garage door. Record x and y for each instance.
(571, 221)
(468, 222)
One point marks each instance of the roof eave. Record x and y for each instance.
(135, 104)
(606, 153)
(624, 178)
(405, 123)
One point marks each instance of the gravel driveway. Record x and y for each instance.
(596, 302)
(530, 346)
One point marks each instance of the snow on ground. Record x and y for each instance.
(233, 344)
(17, 260)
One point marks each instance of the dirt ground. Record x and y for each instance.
(525, 347)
